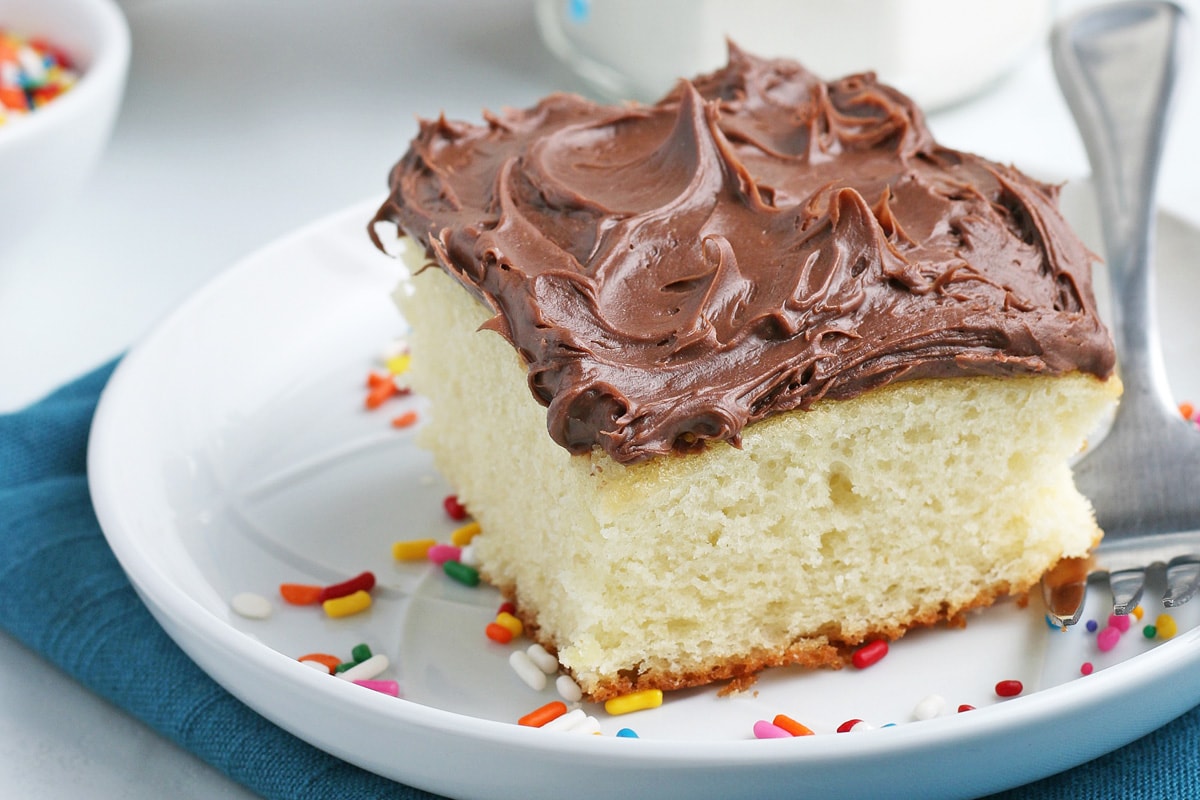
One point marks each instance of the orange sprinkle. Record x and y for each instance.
(13, 98)
(299, 594)
(379, 393)
(791, 726)
(405, 420)
(498, 633)
(324, 659)
(1187, 410)
(376, 378)
(540, 716)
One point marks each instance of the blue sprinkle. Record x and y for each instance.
(579, 10)
(889, 725)
(627, 733)
(1091, 626)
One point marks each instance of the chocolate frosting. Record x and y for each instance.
(756, 241)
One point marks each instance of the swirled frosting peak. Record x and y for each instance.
(756, 241)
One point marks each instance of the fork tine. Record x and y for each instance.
(1183, 579)
(1064, 604)
(1126, 586)
(1064, 589)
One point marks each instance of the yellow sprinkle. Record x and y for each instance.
(647, 698)
(412, 550)
(350, 604)
(1137, 612)
(507, 620)
(398, 365)
(463, 536)
(1166, 627)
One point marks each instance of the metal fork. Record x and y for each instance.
(1117, 66)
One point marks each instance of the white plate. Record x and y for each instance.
(232, 453)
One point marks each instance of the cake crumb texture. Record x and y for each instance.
(853, 520)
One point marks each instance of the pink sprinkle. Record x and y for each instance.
(384, 687)
(1107, 639)
(1086, 668)
(769, 730)
(1119, 621)
(441, 553)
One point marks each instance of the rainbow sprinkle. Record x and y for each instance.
(32, 73)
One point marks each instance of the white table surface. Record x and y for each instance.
(244, 120)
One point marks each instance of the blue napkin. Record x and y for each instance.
(64, 595)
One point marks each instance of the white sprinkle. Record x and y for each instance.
(366, 670)
(930, 707)
(32, 63)
(527, 671)
(590, 725)
(393, 349)
(545, 662)
(317, 665)
(251, 606)
(567, 722)
(861, 726)
(568, 689)
(467, 556)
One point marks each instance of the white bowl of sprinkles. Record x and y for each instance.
(47, 153)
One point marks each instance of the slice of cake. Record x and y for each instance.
(748, 377)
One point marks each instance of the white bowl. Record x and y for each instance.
(46, 157)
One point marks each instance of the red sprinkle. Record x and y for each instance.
(847, 725)
(507, 608)
(1009, 688)
(869, 654)
(965, 707)
(454, 509)
(364, 582)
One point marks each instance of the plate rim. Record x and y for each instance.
(173, 607)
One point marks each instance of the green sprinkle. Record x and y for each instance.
(1149, 631)
(345, 665)
(360, 653)
(467, 576)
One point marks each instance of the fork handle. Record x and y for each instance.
(1118, 72)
